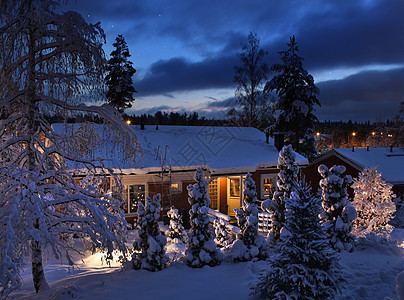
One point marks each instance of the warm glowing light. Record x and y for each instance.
(373, 133)
(128, 122)
(318, 133)
(353, 133)
(390, 135)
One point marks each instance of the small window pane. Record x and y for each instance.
(234, 187)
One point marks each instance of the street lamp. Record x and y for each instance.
(128, 122)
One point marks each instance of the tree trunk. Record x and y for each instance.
(38, 275)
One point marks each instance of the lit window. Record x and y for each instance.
(132, 195)
(268, 182)
(235, 187)
(175, 187)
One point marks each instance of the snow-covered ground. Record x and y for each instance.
(370, 272)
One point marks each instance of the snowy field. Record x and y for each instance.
(370, 272)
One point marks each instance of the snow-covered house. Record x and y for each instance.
(389, 162)
(171, 155)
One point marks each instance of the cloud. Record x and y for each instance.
(227, 103)
(177, 74)
(363, 96)
(349, 33)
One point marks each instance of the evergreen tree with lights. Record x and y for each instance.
(249, 245)
(119, 78)
(201, 248)
(374, 203)
(338, 216)
(304, 266)
(149, 247)
(297, 96)
(288, 173)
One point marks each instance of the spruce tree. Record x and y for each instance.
(288, 172)
(201, 249)
(338, 215)
(149, 247)
(297, 95)
(304, 266)
(176, 232)
(119, 78)
(248, 244)
(374, 203)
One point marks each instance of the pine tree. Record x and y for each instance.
(304, 266)
(201, 249)
(119, 78)
(374, 203)
(338, 215)
(250, 76)
(288, 172)
(223, 235)
(297, 95)
(50, 62)
(176, 232)
(149, 248)
(249, 244)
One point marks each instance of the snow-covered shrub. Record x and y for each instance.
(201, 248)
(149, 248)
(288, 172)
(304, 266)
(374, 203)
(176, 232)
(223, 235)
(248, 244)
(338, 215)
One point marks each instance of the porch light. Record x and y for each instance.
(373, 133)
(128, 122)
(318, 133)
(354, 133)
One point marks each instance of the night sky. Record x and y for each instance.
(185, 50)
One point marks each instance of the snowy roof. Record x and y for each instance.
(389, 164)
(223, 150)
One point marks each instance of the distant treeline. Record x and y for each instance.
(331, 134)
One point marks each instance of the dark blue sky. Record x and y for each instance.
(185, 50)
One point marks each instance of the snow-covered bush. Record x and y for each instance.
(223, 235)
(374, 203)
(338, 215)
(288, 172)
(248, 244)
(149, 248)
(201, 248)
(176, 232)
(304, 266)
